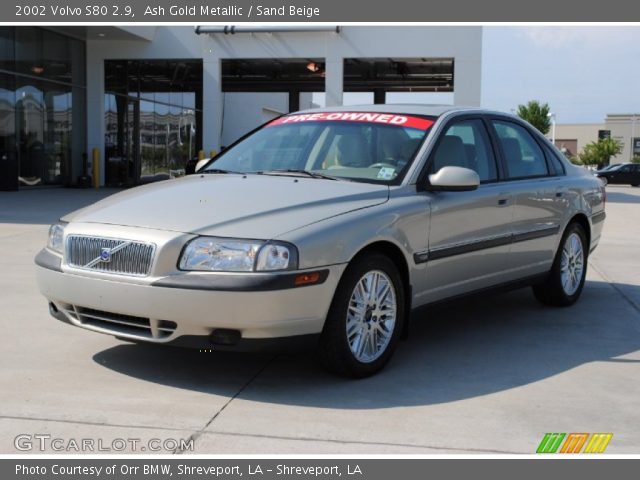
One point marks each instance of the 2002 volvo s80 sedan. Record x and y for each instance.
(331, 223)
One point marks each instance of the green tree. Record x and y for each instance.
(600, 152)
(589, 155)
(536, 114)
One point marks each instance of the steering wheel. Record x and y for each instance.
(382, 165)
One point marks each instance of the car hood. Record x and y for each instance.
(229, 205)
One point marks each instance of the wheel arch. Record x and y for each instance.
(395, 253)
(582, 220)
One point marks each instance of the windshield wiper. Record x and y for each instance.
(308, 173)
(219, 170)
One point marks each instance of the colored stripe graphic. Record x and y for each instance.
(574, 443)
(598, 442)
(550, 442)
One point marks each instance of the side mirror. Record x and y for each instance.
(454, 179)
(201, 163)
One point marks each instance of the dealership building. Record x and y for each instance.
(143, 100)
(622, 127)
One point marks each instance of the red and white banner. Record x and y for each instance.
(364, 117)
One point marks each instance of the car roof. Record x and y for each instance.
(405, 108)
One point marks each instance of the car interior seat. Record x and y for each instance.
(515, 160)
(450, 153)
(353, 151)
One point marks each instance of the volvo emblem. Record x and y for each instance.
(105, 255)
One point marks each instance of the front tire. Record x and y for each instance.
(365, 319)
(564, 284)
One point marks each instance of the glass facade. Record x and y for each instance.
(42, 107)
(153, 113)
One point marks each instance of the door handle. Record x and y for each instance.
(504, 199)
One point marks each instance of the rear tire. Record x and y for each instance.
(365, 319)
(564, 284)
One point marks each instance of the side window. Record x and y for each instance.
(523, 155)
(556, 162)
(627, 168)
(466, 144)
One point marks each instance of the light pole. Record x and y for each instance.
(552, 116)
(633, 136)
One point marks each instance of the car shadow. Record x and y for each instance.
(618, 195)
(470, 348)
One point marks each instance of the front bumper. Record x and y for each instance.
(185, 311)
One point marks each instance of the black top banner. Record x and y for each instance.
(302, 11)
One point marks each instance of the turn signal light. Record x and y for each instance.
(307, 278)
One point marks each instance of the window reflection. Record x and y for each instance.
(8, 145)
(166, 94)
(42, 96)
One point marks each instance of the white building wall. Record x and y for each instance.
(245, 111)
(624, 127)
(583, 133)
(464, 44)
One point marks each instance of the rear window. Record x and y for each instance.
(523, 155)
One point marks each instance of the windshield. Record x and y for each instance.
(612, 167)
(362, 146)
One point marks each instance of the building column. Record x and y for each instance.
(333, 81)
(212, 103)
(294, 100)
(95, 106)
(467, 87)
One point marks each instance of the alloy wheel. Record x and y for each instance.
(572, 264)
(371, 316)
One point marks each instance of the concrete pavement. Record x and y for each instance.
(488, 375)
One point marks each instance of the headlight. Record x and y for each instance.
(230, 255)
(273, 256)
(56, 233)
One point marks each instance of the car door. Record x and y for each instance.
(621, 175)
(635, 175)
(540, 195)
(469, 231)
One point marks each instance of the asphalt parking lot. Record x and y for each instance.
(487, 375)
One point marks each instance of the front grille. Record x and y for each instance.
(111, 255)
(118, 323)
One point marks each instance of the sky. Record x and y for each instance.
(582, 72)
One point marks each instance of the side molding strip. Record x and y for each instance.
(444, 252)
